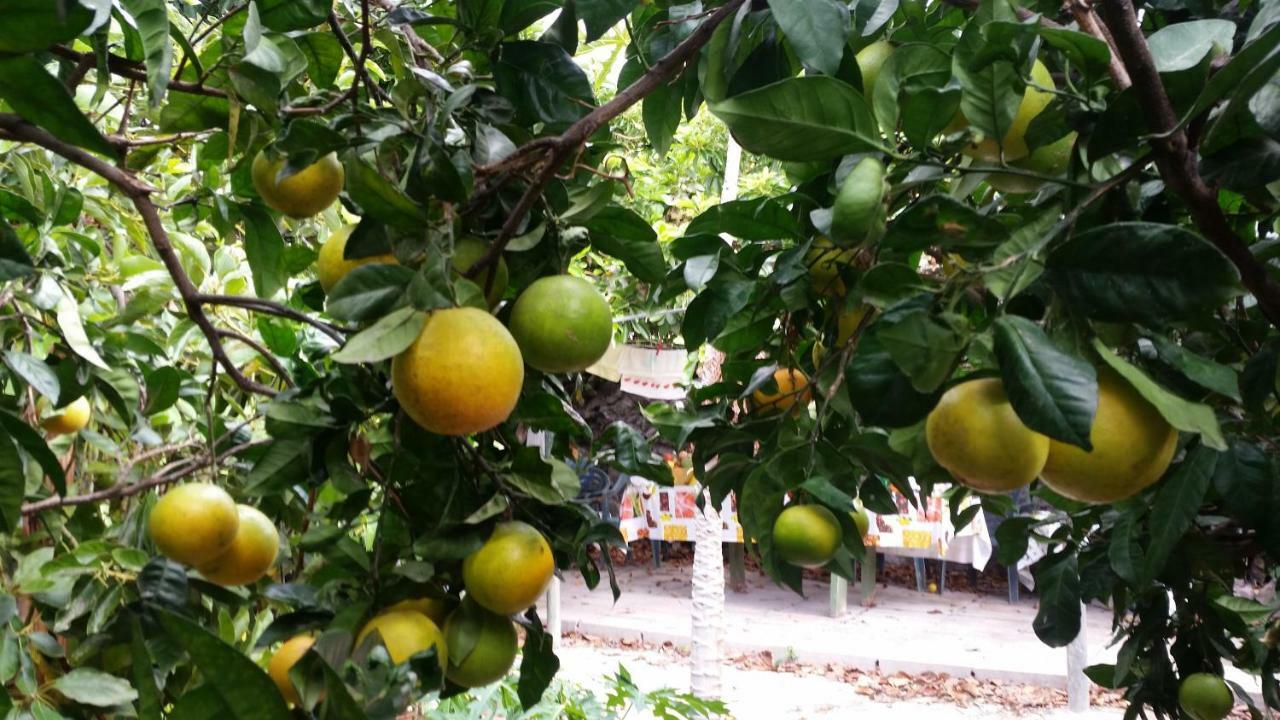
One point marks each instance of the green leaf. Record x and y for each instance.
(239, 683)
(288, 15)
(14, 260)
(35, 372)
(816, 29)
(31, 25)
(94, 687)
(1184, 45)
(153, 27)
(879, 390)
(543, 82)
(1125, 552)
(926, 348)
(1054, 392)
(68, 316)
(1201, 370)
(939, 220)
(12, 483)
(324, 57)
(388, 336)
(520, 14)
(1182, 414)
(264, 249)
(202, 703)
(801, 119)
(538, 664)
(143, 671)
(708, 314)
(756, 219)
(369, 291)
(889, 282)
(40, 99)
(1176, 506)
(1248, 612)
(1058, 584)
(1141, 272)
(1249, 484)
(661, 111)
(991, 89)
(163, 386)
(285, 463)
(600, 15)
(379, 198)
(623, 234)
(1083, 50)
(31, 441)
(548, 480)
(910, 69)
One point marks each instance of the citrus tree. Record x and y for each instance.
(284, 285)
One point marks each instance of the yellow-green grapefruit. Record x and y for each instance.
(467, 252)
(1014, 144)
(462, 375)
(251, 554)
(858, 215)
(302, 194)
(70, 419)
(562, 324)
(975, 434)
(1204, 696)
(1051, 159)
(285, 658)
(806, 535)
(793, 392)
(1132, 447)
(406, 633)
(511, 570)
(332, 266)
(193, 523)
(870, 60)
(489, 643)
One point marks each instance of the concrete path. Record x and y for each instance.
(960, 634)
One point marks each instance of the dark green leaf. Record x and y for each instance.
(31, 25)
(324, 57)
(369, 291)
(816, 29)
(801, 119)
(386, 337)
(379, 198)
(12, 483)
(153, 27)
(538, 664)
(889, 282)
(241, 685)
(709, 312)
(543, 82)
(925, 348)
(35, 372)
(756, 219)
(621, 233)
(14, 260)
(1083, 50)
(520, 14)
(284, 464)
(39, 98)
(1200, 370)
(287, 15)
(600, 15)
(94, 687)
(1058, 583)
(939, 220)
(1182, 414)
(880, 391)
(264, 249)
(163, 583)
(1125, 552)
(1176, 506)
(1054, 392)
(991, 89)
(202, 703)
(163, 385)
(143, 672)
(1142, 272)
(28, 439)
(661, 113)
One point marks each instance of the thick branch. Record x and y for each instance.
(1177, 162)
(1087, 19)
(170, 473)
(140, 193)
(128, 69)
(568, 144)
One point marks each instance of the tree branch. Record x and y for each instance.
(274, 308)
(266, 354)
(170, 473)
(568, 144)
(140, 194)
(1087, 19)
(1176, 161)
(127, 69)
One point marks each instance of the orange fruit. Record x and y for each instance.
(467, 252)
(302, 194)
(193, 523)
(285, 658)
(435, 608)
(462, 375)
(511, 570)
(806, 535)
(1204, 696)
(332, 266)
(251, 554)
(72, 418)
(975, 434)
(562, 324)
(793, 392)
(1132, 447)
(406, 633)
(489, 640)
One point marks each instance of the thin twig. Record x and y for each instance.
(128, 69)
(274, 308)
(266, 354)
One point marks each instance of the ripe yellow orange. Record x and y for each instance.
(826, 262)
(793, 392)
(251, 554)
(511, 570)
(193, 523)
(1034, 101)
(1132, 447)
(806, 535)
(72, 418)
(846, 324)
(406, 633)
(332, 266)
(1051, 159)
(489, 642)
(975, 434)
(285, 658)
(435, 608)
(1204, 696)
(467, 252)
(562, 324)
(462, 375)
(303, 193)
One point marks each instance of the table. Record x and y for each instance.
(662, 513)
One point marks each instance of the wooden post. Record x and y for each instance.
(1077, 661)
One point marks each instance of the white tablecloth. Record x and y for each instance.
(927, 532)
